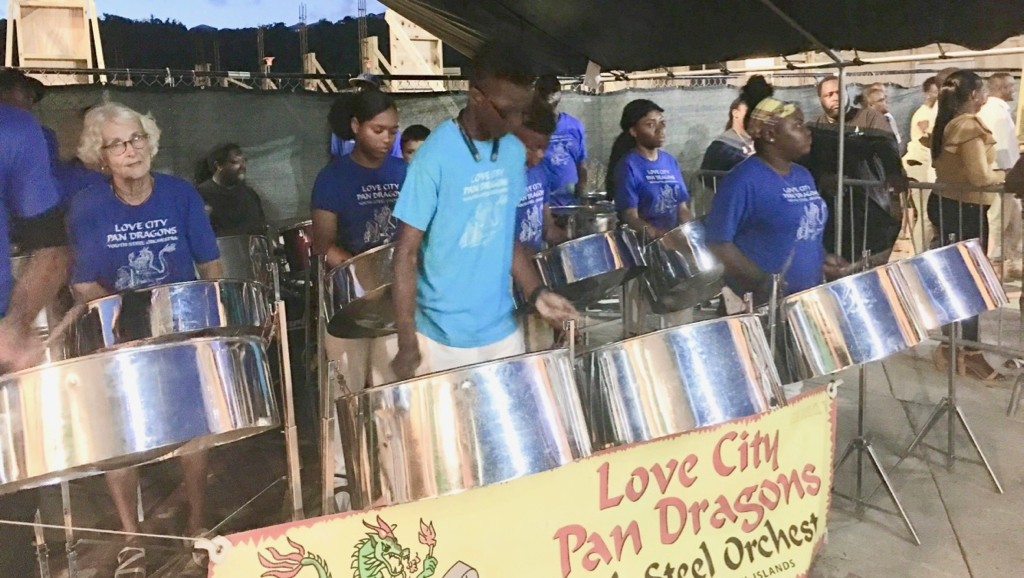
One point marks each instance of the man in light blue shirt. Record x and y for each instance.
(456, 255)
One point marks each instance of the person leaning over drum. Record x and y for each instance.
(767, 216)
(353, 200)
(648, 189)
(139, 230)
(534, 223)
(963, 152)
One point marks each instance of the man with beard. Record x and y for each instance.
(234, 208)
(871, 214)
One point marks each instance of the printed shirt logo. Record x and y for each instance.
(489, 190)
(812, 223)
(142, 270)
(144, 267)
(666, 200)
(381, 228)
(559, 154)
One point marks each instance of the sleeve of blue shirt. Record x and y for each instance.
(31, 188)
(730, 209)
(323, 196)
(202, 239)
(417, 199)
(582, 156)
(626, 194)
(684, 194)
(86, 246)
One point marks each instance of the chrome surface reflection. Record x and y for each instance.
(176, 311)
(584, 270)
(951, 283)
(675, 380)
(246, 257)
(295, 241)
(359, 295)
(50, 315)
(858, 319)
(582, 220)
(681, 271)
(467, 428)
(106, 411)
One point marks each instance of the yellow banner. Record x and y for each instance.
(748, 499)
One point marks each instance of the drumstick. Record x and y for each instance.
(65, 323)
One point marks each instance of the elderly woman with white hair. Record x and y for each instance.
(137, 230)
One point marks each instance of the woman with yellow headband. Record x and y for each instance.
(767, 216)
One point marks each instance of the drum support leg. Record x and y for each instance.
(327, 420)
(291, 432)
(1015, 396)
(42, 550)
(954, 414)
(69, 532)
(862, 445)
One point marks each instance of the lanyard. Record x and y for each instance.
(472, 146)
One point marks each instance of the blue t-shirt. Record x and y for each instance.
(772, 219)
(530, 211)
(567, 148)
(363, 200)
(73, 177)
(467, 210)
(26, 183)
(124, 247)
(654, 188)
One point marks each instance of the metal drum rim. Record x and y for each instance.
(139, 290)
(685, 227)
(287, 225)
(595, 209)
(132, 349)
(558, 248)
(666, 331)
(381, 388)
(351, 260)
(794, 296)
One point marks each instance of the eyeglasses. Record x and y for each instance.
(120, 147)
(504, 114)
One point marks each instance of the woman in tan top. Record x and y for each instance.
(963, 150)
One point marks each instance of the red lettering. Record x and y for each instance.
(664, 507)
(598, 553)
(660, 476)
(579, 533)
(770, 503)
(791, 482)
(771, 450)
(720, 466)
(745, 504)
(722, 514)
(685, 478)
(811, 479)
(639, 475)
(604, 501)
(632, 532)
(695, 509)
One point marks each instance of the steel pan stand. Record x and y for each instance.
(862, 445)
(949, 406)
(327, 416)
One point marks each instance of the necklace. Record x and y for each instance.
(472, 146)
(121, 197)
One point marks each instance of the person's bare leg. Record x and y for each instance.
(194, 466)
(123, 486)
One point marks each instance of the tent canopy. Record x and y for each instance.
(560, 36)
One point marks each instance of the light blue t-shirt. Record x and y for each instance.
(467, 211)
(773, 220)
(566, 150)
(654, 188)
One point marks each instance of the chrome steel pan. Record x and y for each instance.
(681, 271)
(676, 380)
(582, 220)
(50, 316)
(951, 283)
(171, 312)
(584, 270)
(120, 408)
(359, 295)
(246, 257)
(854, 320)
(295, 240)
(467, 428)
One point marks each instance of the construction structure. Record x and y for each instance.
(57, 34)
(414, 52)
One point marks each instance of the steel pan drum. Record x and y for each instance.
(359, 295)
(50, 316)
(676, 380)
(681, 271)
(169, 312)
(854, 320)
(584, 270)
(471, 427)
(120, 408)
(246, 257)
(295, 240)
(580, 221)
(951, 283)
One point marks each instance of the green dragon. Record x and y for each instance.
(289, 565)
(381, 556)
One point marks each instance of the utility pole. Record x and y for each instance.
(364, 60)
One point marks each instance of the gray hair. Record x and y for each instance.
(90, 145)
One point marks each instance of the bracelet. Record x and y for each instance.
(536, 295)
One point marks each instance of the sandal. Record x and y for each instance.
(975, 363)
(940, 355)
(131, 563)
